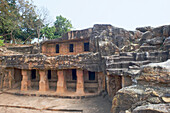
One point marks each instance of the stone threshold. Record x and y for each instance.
(70, 95)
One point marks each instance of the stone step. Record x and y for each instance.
(117, 71)
(140, 63)
(119, 59)
(118, 65)
(148, 48)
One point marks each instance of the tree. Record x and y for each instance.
(28, 20)
(62, 26)
(1, 41)
(8, 17)
(18, 19)
(49, 32)
(41, 21)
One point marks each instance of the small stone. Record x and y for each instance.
(154, 100)
(166, 99)
(127, 111)
(154, 93)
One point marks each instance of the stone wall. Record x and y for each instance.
(26, 49)
(30, 49)
(119, 53)
(88, 61)
(78, 47)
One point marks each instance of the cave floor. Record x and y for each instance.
(33, 104)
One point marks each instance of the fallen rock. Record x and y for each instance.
(166, 99)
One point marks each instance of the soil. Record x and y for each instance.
(28, 104)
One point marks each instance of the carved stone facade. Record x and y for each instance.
(87, 61)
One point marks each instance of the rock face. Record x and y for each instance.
(89, 61)
(155, 74)
(149, 95)
(152, 108)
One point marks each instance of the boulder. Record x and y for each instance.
(144, 29)
(145, 36)
(155, 73)
(166, 99)
(166, 30)
(133, 98)
(155, 41)
(153, 108)
(166, 41)
(158, 31)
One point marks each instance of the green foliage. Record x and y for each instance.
(18, 19)
(62, 26)
(1, 41)
(20, 22)
(48, 32)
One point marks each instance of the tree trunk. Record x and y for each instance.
(38, 33)
(13, 40)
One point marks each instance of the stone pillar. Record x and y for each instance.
(26, 80)
(80, 82)
(6, 80)
(101, 81)
(43, 83)
(126, 81)
(61, 83)
(11, 77)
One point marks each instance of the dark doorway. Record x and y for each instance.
(91, 75)
(49, 74)
(33, 74)
(17, 75)
(71, 48)
(57, 48)
(74, 75)
(86, 46)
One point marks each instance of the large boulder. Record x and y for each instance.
(144, 29)
(158, 31)
(147, 35)
(166, 30)
(155, 74)
(155, 41)
(108, 39)
(153, 87)
(128, 99)
(153, 108)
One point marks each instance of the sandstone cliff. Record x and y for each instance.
(149, 95)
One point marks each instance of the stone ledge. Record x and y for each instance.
(72, 95)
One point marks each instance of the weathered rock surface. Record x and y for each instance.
(134, 97)
(156, 73)
(89, 61)
(144, 29)
(150, 95)
(155, 41)
(5, 52)
(114, 51)
(153, 108)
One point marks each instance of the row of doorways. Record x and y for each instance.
(74, 74)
